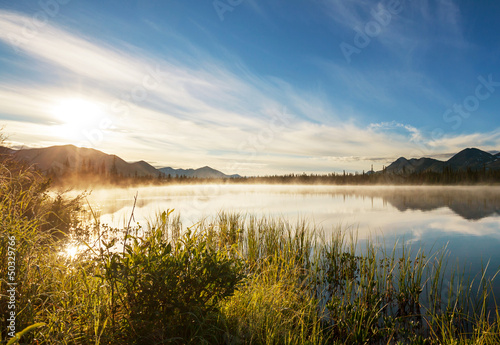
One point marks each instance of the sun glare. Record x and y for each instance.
(72, 250)
(77, 116)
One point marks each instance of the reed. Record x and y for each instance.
(229, 279)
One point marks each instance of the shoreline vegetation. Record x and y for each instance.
(228, 279)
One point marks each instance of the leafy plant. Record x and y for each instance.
(166, 291)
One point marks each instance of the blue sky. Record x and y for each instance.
(253, 87)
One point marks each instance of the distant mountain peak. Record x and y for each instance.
(469, 158)
(203, 172)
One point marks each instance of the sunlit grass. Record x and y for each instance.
(228, 279)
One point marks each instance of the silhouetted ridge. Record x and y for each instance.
(62, 159)
(469, 158)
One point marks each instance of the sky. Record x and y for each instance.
(253, 87)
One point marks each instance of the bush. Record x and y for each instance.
(168, 291)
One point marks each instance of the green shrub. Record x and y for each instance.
(169, 291)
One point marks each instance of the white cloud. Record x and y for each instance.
(414, 134)
(210, 114)
(454, 143)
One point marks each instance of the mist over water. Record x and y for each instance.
(387, 209)
(464, 219)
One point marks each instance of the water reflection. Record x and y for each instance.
(470, 203)
(410, 213)
(464, 219)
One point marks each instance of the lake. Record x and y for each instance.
(466, 219)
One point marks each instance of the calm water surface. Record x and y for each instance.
(466, 219)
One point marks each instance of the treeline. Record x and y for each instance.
(89, 174)
(447, 177)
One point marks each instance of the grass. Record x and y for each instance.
(229, 279)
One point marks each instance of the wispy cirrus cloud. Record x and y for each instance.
(190, 112)
(414, 133)
(487, 141)
(407, 33)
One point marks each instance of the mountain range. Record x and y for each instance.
(205, 172)
(470, 158)
(59, 159)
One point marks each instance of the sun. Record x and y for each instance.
(76, 117)
(72, 251)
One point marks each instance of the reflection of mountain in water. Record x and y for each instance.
(472, 203)
(469, 203)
